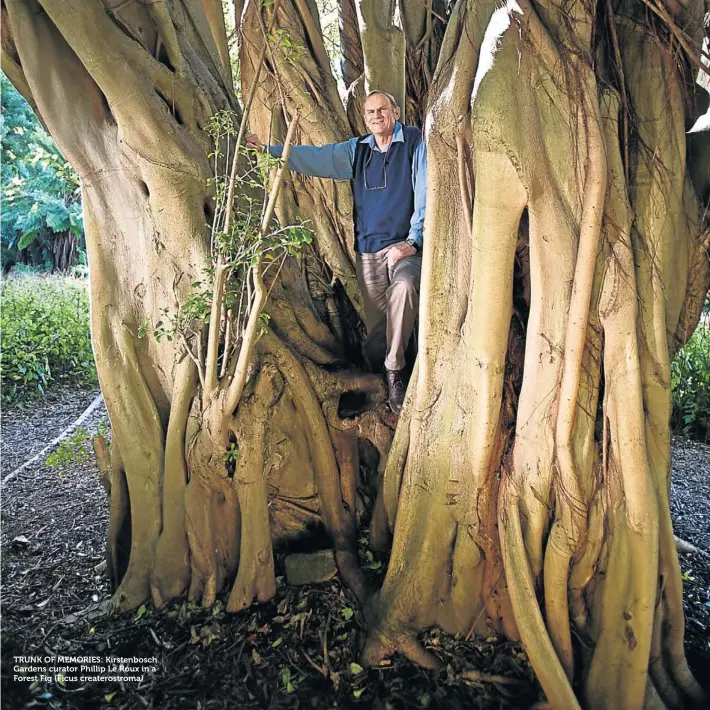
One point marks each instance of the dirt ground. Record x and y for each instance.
(297, 651)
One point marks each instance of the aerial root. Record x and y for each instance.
(131, 593)
(118, 538)
(657, 668)
(201, 540)
(685, 547)
(380, 536)
(528, 617)
(556, 574)
(171, 572)
(388, 495)
(255, 574)
(674, 648)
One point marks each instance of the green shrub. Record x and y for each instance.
(690, 385)
(76, 449)
(45, 335)
(41, 198)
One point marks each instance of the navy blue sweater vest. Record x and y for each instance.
(384, 196)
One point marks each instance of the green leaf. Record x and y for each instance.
(347, 613)
(286, 679)
(357, 692)
(110, 696)
(27, 239)
(277, 643)
(142, 611)
(356, 668)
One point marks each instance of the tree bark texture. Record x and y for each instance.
(565, 261)
(127, 90)
(553, 410)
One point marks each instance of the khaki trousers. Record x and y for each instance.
(391, 299)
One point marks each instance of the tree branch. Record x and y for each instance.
(220, 269)
(63, 93)
(11, 65)
(98, 41)
(236, 387)
(116, 61)
(314, 34)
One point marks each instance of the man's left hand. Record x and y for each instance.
(399, 251)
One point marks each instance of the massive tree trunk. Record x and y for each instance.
(129, 93)
(529, 476)
(566, 258)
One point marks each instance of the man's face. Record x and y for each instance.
(380, 116)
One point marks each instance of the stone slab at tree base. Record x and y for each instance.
(311, 568)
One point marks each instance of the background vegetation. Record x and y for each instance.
(41, 201)
(45, 335)
(690, 384)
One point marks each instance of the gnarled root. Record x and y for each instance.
(212, 516)
(171, 573)
(380, 646)
(255, 578)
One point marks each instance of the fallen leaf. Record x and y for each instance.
(20, 541)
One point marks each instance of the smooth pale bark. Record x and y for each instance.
(127, 92)
(382, 37)
(599, 558)
(376, 60)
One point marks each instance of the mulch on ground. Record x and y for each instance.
(297, 651)
(28, 426)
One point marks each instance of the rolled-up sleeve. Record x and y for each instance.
(334, 160)
(416, 227)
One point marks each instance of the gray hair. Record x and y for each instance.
(389, 97)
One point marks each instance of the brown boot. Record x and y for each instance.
(396, 389)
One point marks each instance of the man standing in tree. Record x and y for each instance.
(388, 170)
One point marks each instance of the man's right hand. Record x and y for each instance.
(251, 140)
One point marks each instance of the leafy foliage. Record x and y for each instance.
(76, 449)
(45, 335)
(40, 191)
(240, 247)
(690, 384)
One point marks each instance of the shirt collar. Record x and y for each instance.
(397, 137)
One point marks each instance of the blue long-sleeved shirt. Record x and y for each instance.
(335, 160)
